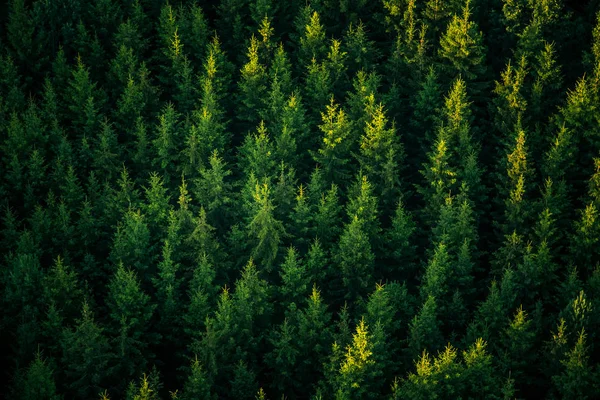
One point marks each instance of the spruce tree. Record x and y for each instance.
(86, 354)
(130, 313)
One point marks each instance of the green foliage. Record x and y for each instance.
(262, 199)
(462, 48)
(38, 381)
(130, 313)
(86, 355)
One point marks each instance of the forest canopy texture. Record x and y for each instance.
(300, 199)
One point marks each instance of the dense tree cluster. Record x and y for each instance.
(324, 199)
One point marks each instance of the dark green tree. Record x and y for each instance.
(86, 354)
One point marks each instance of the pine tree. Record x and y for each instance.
(362, 52)
(327, 219)
(302, 220)
(357, 367)
(61, 288)
(457, 121)
(167, 143)
(294, 280)
(257, 154)
(132, 244)
(510, 104)
(440, 177)
(196, 385)
(517, 355)
(264, 231)
(213, 189)
(577, 380)
(462, 50)
(253, 87)
(514, 190)
(86, 355)
(315, 334)
(312, 42)
(130, 312)
(84, 101)
(168, 293)
(38, 381)
(435, 281)
(363, 204)
(284, 356)
(424, 330)
(318, 88)
(381, 155)
(355, 259)
(333, 154)
(400, 244)
(209, 130)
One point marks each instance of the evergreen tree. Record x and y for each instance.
(577, 379)
(130, 313)
(334, 152)
(462, 50)
(253, 87)
(425, 334)
(358, 368)
(264, 231)
(355, 259)
(381, 155)
(167, 142)
(197, 385)
(399, 243)
(38, 381)
(294, 283)
(86, 355)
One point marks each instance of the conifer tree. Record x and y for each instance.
(84, 100)
(318, 88)
(517, 356)
(294, 280)
(333, 155)
(315, 334)
(356, 259)
(358, 368)
(284, 356)
(168, 293)
(302, 220)
(457, 121)
(213, 190)
(510, 104)
(577, 380)
(132, 244)
(381, 155)
(257, 154)
(86, 354)
(400, 244)
(264, 231)
(253, 87)
(38, 381)
(515, 191)
(130, 313)
(440, 177)
(462, 50)
(196, 385)
(361, 50)
(312, 42)
(364, 204)
(327, 218)
(424, 330)
(61, 288)
(167, 143)
(208, 131)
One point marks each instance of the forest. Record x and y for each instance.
(300, 199)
